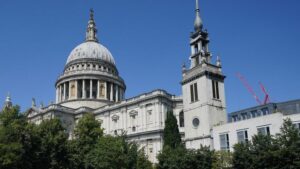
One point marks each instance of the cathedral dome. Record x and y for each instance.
(91, 50)
(90, 77)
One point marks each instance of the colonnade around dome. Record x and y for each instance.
(89, 89)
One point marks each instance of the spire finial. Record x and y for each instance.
(219, 61)
(33, 104)
(91, 14)
(91, 32)
(198, 21)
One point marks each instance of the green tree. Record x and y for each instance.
(198, 159)
(142, 161)
(288, 143)
(171, 133)
(87, 133)
(12, 125)
(222, 160)
(108, 154)
(53, 152)
(242, 156)
(171, 158)
(262, 151)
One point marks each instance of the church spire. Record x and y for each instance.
(8, 102)
(91, 32)
(198, 21)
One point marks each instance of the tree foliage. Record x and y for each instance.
(46, 146)
(13, 136)
(264, 151)
(53, 140)
(181, 157)
(172, 136)
(175, 156)
(222, 160)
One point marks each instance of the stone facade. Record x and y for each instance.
(141, 118)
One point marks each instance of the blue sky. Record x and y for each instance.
(149, 40)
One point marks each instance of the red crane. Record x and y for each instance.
(249, 88)
(267, 98)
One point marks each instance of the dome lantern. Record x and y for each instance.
(91, 32)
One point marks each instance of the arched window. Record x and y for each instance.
(181, 119)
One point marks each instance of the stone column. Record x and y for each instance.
(117, 93)
(162, 115)
(57, 95)
(192, 50)
(98, 89)
(60, 93)
(111, 91)
(64, 97)
(76, 89)
(91, 89)
(83, 89)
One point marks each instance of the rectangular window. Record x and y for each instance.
(244, 116)
(264, 130)
(196, 92)
(149, 117)
(196, 48)
(242, 136)
(235, 118)
(79, 89)
(108, 91)
(94, 89)
(67, 91)
(297, 125)
(224, 142)
(87, 88)
(192, 93)
(265, 111)
(253, 113)
(215, 89)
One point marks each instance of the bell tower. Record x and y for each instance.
(202, 89)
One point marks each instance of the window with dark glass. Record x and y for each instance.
(79, 89)
(215, 89)
(297, 125)
(196, 48)
(181, 119)
(253, 113)
(235, 118)
(265, 111)
(264, 130)
(67, 91)
(244, 116)
(242, 136)
(94, 89)
(87, 88)
(194, 92)
(224, 142)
